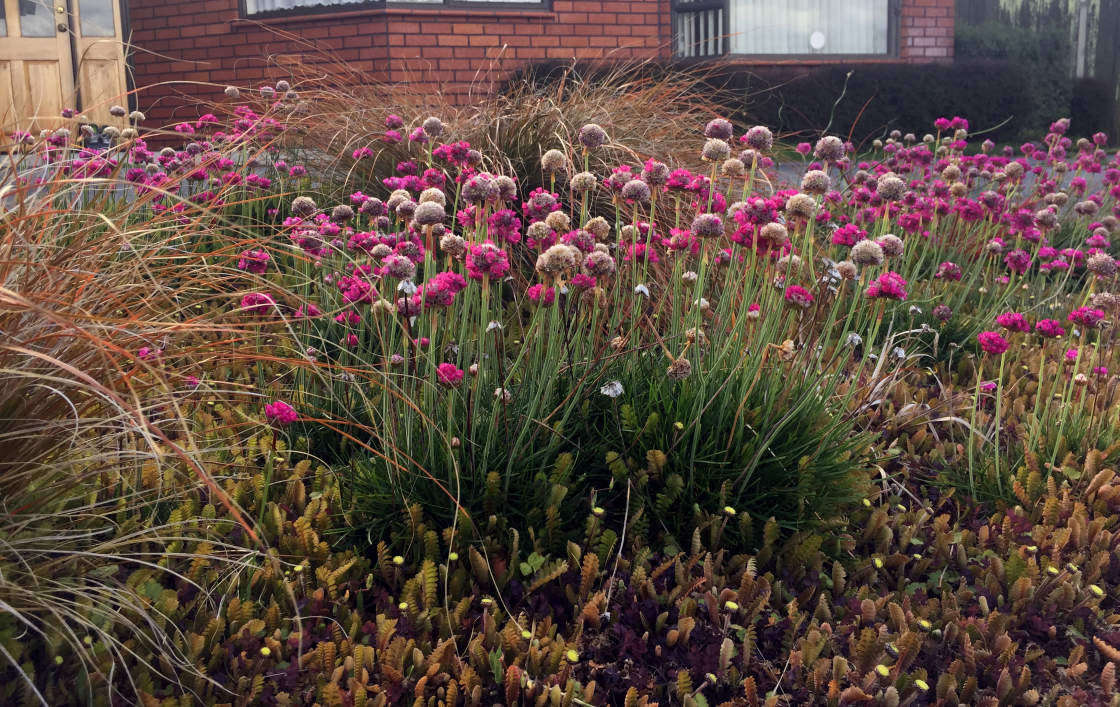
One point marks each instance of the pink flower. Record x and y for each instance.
(191, 381)
(1013, 321)
(1071, 355)
(280, 414)
(1018, 260)
(1050, 328)
(889, 285)
(487, 260)
(992, 343)
(798, 296)
(804, 148)
(392, 137)
(1100, 371)
(948, 271)
(311, 311)
(1087, 317)
(257, 303)
(583, 282)
(537, 293)
(255, 261)
(449, 376)
(349, 317)
(351, 340)
(987, 386)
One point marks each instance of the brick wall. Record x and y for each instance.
(462, 52)
(926, 31)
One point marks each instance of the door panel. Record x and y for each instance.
(37, 65)
(53, 57)
(44, 94)
(99, 89)
(100, 60)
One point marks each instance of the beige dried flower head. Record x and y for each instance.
(1104, 300)
(303, 207)
(129, 133)
(538, 231)
(507, 188)
(847, 270)
(137, 116)
(958, 189)
(432, 127)
(429, 213)
(433, 195)
(1110, 223)
(867, 252)
(558, 259)
(1086, 208)
(801, 206)
(715, 150)
(584, 181)
(950, 174)
(891, 245)
(598, 227)
(829, 149)
(592, 136)
(232, 92)
(679, 370)
(1013, 170)
(558, 221)
(774, 233)
(733, 167)
(1058, 198)
(791, 263)
(599, 264)
(553, 161)
(453, 245)
(1101, 264)
(815, 182)
(891, 188)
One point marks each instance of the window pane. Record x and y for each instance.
(97, 18)
(253, 7)
(36, 18)
(3, 22)
(809, 27)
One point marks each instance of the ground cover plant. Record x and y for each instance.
(719, 424)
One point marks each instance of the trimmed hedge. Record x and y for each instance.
(878, 98)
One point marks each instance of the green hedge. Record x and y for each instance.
(877, 98)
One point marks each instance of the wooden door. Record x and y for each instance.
(36, 65)
(100, 63)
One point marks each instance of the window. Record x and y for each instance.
(282, 7)
(784, 27)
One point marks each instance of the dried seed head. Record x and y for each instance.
(557, 259)
(453, 245)
(715, 150)
(891, 245)
(433, 195)
(558, 221)
(707, 226)
(718, 128)
(733, 167)
(433, 127)
(801, 206)
(829, 149)
(774, 233)
(118, 112)
(815, 182)
(847, 269)
(429, 213)
(891, 188)
(233, 92)
(636, 190)
(302, 206)
(867, 253)
(958, 189)
(553, 161)
(599, 264)
(679, 370)
(584, 181)
(599, 227)
(592, 136)
(759, 138)
(951, 174)
(1101, 264)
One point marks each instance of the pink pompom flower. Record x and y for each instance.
(1087, 317)
(449, 376)
(1013, 321)
(992, 343)
(798, 296)
(280, 414)
(889, 285)
(1049, 328)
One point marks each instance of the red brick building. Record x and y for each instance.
(467, 47)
